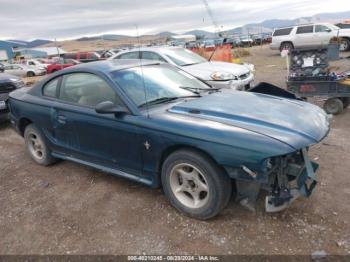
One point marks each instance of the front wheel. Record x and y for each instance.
(37, 146)
(195, 185)
(344, 44)
(30, 74)
(286, 46)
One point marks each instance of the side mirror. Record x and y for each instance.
(108, 107)
(328, 30)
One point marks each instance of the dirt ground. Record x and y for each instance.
(72, 209)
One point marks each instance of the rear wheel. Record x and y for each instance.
(37, 146)
(286, 46)
(344, 44)
(333, 106)
(195, 185)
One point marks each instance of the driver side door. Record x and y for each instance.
(103, 139)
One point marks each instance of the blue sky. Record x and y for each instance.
(64, 19)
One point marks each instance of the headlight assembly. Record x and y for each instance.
(219, 76)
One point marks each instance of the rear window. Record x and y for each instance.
(130, 55)
(283, 31)
(50, 89)
(305, 29)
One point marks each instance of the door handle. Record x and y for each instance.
(61, 119)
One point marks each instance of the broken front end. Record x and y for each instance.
(284, 177)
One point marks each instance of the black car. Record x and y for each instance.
(8, 83)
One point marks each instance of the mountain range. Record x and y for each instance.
(253, 28)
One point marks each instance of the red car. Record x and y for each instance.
(61, 64)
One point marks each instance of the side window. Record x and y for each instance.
(152, 56)
(87, 90)
(50, 89)
(322, 29)
(282, 31)
(31, 63)
(130, 55)
(305, 29)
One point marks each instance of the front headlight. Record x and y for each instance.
(219, 76)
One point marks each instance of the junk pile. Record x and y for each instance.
(310, 75)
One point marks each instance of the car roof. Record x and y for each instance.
(151, 48)
(111, 65)
(308, 24)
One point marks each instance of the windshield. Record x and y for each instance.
(160, 82)
(183, 57)
(333, 27)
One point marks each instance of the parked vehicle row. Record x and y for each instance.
(235, 41)
(310, 35)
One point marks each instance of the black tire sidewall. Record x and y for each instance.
(346, 101)
(219, 186)
(339, 104)
(30, 74)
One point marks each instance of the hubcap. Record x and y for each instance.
(344, 46)
(35, 146)
(189, 185)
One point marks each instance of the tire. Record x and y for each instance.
(333, 106)
(286, 45)
(30, 74)
(344, 44)
(346, 101)
(37, 147)
(195, 185)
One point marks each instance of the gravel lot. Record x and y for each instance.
(72, 209)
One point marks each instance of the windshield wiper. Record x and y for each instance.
(196, 89)
(190, 64)
(161, 100)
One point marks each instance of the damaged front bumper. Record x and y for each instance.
(285, 178)
(301, 182)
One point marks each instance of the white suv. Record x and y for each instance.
(311, 35)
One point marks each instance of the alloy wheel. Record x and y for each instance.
(189, 185)
(344, 45)
(35, 146)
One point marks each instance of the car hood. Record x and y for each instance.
(344, 32)
(206, 69)
(295, 123)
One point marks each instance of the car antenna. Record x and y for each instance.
(143, 78)
(216, 26)
(58, 53)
